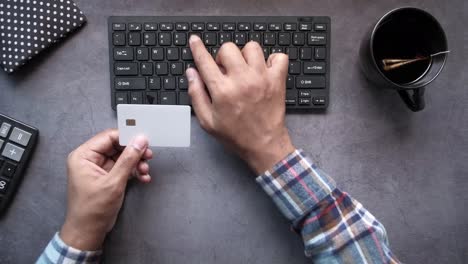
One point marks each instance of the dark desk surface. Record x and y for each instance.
(409, 169)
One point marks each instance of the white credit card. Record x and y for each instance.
(163, 125)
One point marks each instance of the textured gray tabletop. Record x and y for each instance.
(409, 169)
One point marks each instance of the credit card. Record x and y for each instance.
(163, 125)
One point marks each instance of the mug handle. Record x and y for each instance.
(415, 102)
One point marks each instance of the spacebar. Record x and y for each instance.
(130, 83)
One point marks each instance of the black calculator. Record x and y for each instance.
(17, 142)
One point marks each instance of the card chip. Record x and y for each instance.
(131, 122)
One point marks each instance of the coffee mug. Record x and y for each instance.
(406, 37)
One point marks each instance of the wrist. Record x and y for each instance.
(80, 239)
(263, 158)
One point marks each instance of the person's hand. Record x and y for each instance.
(244, 103)
(98, 172)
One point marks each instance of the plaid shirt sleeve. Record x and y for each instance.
(57, 252)
(335, 228)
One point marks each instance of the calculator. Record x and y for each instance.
(17, 142)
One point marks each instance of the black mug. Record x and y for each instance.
(404, 34)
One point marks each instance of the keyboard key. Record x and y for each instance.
(255, 36)
(8, 169)
(134, 27)
(20, 136)
(214, 52)
(118, 38)
(243, 26)
(190, 65)
(184, 98)
(157, 54)
(142, 54)
(182, 26)
(187, 54)
(133, 83)
(172, 54)
(277, 50)
(118, 26)
(177, 68)
(275, 26)
(182, 83)
(146, 68)
(292, 53)
(154, 83)
(269, 39)
(149, 39)
(319, 100)
(195, 33)
(169, 83)
(168, 98)
(266, 52)
(1, 145)
(165, 39)
(305, 26)
(240, 39)
(136, 98)
(224, 37)
(210, 39)
(4, 129)
(126, 69)
(304, 101)
(151, 26)
(121, 98)
(161, 68)
(229, 26)
(134, 39)
(306, 53)
(290, 82)
(123, 54)
(290, 26)
(310, 82)
(298, 39)
(291, 97)
(180, 39)
(198, 26)
(320, 27)
(259, 26)
(166, 26)
(314, 67)
(304, 94)
(212, 26)
(3, 186)
(284, 39)
(316, 39)
(320, 53)
(12, 152)
(151, 98)
(295, 67)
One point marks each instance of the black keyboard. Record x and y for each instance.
(17, 142)
(148, 55)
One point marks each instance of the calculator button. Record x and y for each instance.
(8, 169)
(3, 186)
(12, 152)
(20, 136)
(4, 129)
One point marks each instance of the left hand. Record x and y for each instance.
(98, 172)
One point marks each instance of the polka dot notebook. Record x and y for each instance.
(28, 27)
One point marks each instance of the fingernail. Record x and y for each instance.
(191, 76)
(193, 38)
(140, 142)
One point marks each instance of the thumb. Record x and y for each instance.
(129, 158)
(201, 101)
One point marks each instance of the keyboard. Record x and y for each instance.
(17, 142)
(149, 55)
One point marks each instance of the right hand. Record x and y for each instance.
(243, 104)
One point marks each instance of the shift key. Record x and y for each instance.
(310, 82)
(130, 84)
